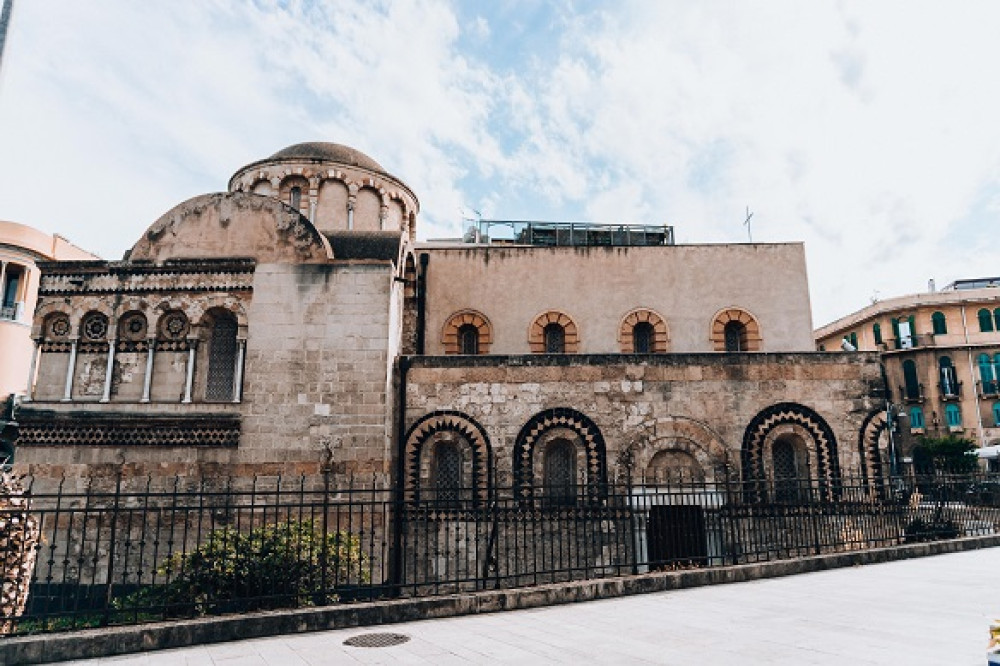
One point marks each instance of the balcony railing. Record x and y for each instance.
(910, 341)
(912, 395)
(11, 311)
(514, 232)
(950, 391)
(989, 389)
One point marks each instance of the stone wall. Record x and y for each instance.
(701, 405)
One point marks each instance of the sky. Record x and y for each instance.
(870, 131)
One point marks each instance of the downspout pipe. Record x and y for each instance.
(396, 571)
(422, 301)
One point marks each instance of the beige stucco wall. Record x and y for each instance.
(23, 246)
(598, 286)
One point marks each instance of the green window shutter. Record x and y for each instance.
(953, 415)
(939, 323)
(877, 333)
(916, 417)
(985, 321)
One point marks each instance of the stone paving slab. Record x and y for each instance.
(932, 610)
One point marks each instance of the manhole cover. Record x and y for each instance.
(377, 640)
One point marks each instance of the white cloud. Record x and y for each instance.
(865, 129)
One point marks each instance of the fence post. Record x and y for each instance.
(108, 592)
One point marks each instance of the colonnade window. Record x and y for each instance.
(222, 349)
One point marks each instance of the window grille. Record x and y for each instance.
(642, 338)
(559, 472)
(736, 337)
(468, 339)
(221, 359)
(555, 339)
(785, 471)
(447, 472)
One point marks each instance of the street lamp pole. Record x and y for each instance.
(892, 413)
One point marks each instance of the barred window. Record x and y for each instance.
(642, 338)
(468, 339)
(736, 336)
(222, 348)
(555, 339)
(786, 475)
(559, 473)
(447, 466)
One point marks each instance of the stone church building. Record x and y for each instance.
(294, 325)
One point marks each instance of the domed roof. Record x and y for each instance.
(334, 152)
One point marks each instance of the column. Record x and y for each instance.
(70, 369)
(350, 213)
(238, 371)
(189, 381)
(110, 371)
(3, 285)
(30, 391)
(147, 381)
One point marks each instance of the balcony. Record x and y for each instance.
(989, 389)
(11, 311)
(914, 396)
(909, 342)
(950, 391)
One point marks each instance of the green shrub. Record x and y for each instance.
(273, 566)
(950, 455)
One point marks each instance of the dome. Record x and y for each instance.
(334, 152)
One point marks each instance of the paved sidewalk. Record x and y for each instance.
(932, 610)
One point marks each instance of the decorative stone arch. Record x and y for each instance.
(45, 313)
(788, 418)
(133, 327)
(295, 179)
(200, 308)
(661, 335)
(450, 332)
(90, 323)
(869, 437)
(589, 438)
(754, 341)
(536, 331)
(677, 460)
(426, 429)
(679, 432)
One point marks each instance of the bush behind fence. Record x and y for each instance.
(135, 550)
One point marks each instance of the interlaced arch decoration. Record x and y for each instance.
(447, 421)
(822, 446)
(747, 320)
(590, 438)
(450, 338)
(661, 337)
(868, 444)
(536, 332)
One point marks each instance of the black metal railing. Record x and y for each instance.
(139, 550)
(950, 391)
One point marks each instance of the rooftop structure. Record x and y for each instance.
(523, 232)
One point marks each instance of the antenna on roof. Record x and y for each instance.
(746, 223)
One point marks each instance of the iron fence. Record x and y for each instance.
(138, 550)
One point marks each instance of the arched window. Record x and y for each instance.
(986, 375)
(916, 417)
(786, 474)
(912, 384)
(555, 338)
(222, 347)
(447, 473)
(953, 415)
(996, 414)
(949, 383)
(295, 197)
(736, 336)
(642, 338)
(559, 473)
(468, 339)
(985, 321)
(996, 319)
(877, 333)
(939, 323)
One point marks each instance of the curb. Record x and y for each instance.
(87, 644)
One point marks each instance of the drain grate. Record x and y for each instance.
(377, 640)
